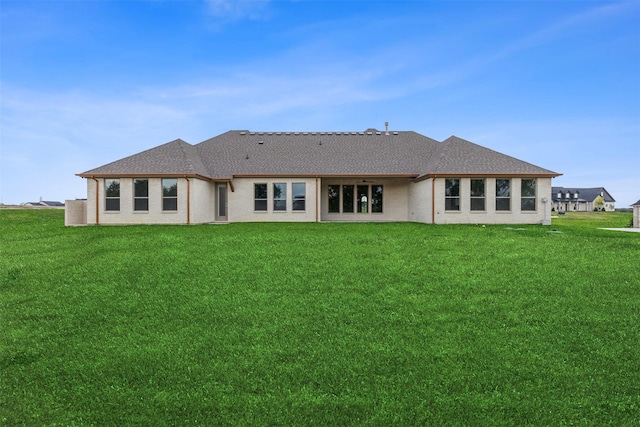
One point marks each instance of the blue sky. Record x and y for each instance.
(84, 83)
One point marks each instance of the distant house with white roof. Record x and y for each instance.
(44, 204)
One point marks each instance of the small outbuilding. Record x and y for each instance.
(636, 214)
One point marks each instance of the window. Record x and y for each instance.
(169, 194)
(503, 195)
(112, 194)
(334, 198)
(347, 198)
(528, 195)
(260, 197)
(477, 195)
(299, 192)
(452, 194)
(376, 198)
(363, 199)
(140, 194)
(280, 196)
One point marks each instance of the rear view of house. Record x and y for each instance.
(245, 176)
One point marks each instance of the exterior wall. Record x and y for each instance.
(201, 203)
(241, 201)
(403, 200)
(636, 216)
(395, 200)
(420, 201)
(75, 212)
(490, 215)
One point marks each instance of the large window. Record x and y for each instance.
(169, 194)
(112, 194)
(503, 195)
(376, 198)
(477, 195)
(528, 195)
(361, 198)
(334, 198)
(347, 198)
(452, 194)
(260, 197)
(299, 194)
(140, 194)
(279, 196)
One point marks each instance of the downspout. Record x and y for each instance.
(188, 200)
(433, 200)
(97, 199)
(317, 198)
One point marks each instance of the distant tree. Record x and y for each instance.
(598, 203)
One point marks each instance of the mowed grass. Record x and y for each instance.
(319, 324)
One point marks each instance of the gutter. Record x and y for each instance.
(317, 198)
(188, 199)
(433, 199)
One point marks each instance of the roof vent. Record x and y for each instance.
(260, 142)
(386, 126)
(243, 133)
(395, 133)
(369, 133)
(378, 133)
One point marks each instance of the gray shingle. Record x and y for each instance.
(372, 152)
(173, 158)
(462, 157)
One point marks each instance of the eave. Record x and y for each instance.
(147, 175)
(486, 175)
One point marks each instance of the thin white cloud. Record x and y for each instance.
(237, 9)
(582, 21)
(49, 137)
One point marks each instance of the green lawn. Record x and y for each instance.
(319, 324)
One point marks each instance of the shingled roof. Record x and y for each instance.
(372, 152)
(584, 194)
(173, 158)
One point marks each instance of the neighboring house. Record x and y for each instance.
(636, 214)
(243, 176)
(582, 199)
(44, 204)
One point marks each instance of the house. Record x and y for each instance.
(372, 175)
(582, 199)
(44, 204)
(636, 214)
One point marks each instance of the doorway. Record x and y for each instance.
(221, 202)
